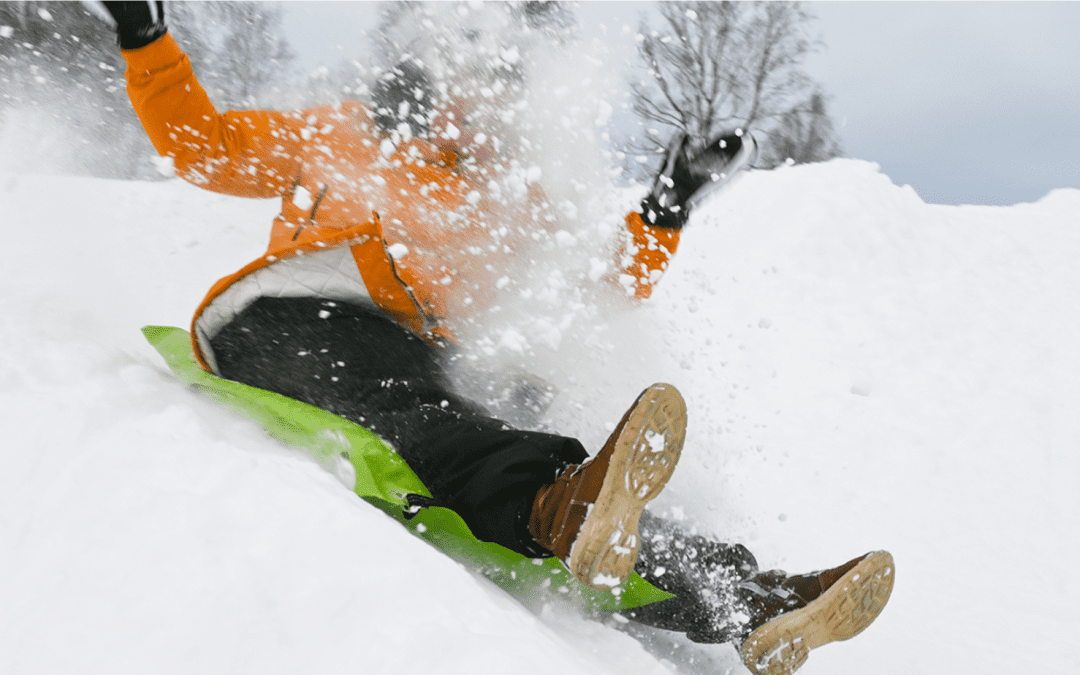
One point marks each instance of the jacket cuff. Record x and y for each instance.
(159, 54)
(656, 215)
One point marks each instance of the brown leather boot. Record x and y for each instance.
(589, 516)
(792, 615)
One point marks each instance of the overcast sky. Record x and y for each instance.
(967, 102)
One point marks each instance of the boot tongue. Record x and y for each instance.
(830, 577)
(807, 587)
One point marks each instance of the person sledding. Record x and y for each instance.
(381, 253)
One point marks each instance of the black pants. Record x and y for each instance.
(353, 361)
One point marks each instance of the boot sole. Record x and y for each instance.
(641, 463)
(851, 604)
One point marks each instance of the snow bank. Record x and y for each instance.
(863, 370)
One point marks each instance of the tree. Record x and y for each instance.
(718, 66)
(554, 18)
(63, 105)
(453, 29)
(804, 134)
(246, 58)
(466, 61)
(63, 102)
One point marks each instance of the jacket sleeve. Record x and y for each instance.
(644, 255)
(252, 153)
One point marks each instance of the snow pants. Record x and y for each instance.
(353, 361)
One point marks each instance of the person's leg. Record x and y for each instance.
(353, 361)
(774, 619)
(791, 615)
(703, 574)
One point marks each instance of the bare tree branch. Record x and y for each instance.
(717, 65)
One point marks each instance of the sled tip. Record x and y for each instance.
(157, 334)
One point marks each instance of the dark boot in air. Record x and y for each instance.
(792, 615)
(589, 516)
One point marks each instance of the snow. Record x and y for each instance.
(862, 371)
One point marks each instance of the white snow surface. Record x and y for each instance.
(863, 371)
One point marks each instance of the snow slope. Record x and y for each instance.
(863, 371)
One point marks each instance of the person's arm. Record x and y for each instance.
(643, 257)
(251, 153)
(687, 174)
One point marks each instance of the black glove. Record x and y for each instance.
(137, 23)
(690, 171)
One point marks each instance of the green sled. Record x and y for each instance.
(383, 479)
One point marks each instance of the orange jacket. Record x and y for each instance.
(361, 220)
